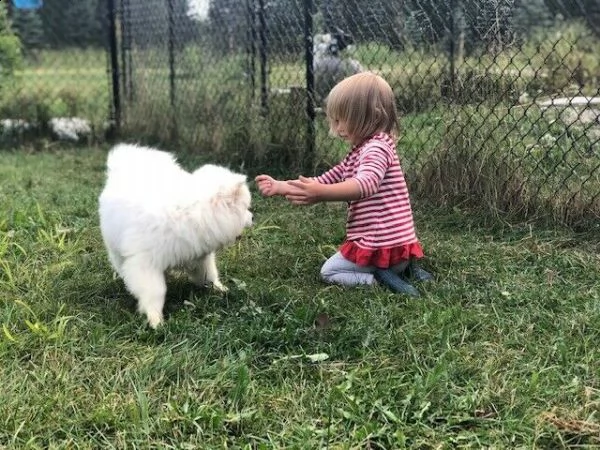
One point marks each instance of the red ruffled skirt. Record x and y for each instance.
(384, 257)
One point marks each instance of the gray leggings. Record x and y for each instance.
(338, 270)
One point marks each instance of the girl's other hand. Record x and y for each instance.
(304, 191)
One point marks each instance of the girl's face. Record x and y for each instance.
(340, 128)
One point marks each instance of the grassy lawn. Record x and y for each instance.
(501, 351)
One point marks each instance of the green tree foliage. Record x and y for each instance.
(235, 25)
(10, 47)
(75, 23)
(149, 22)
(229, 21)
(592, 15)
(471, 25)
(27, 23)
(369, 20)
(532, 14)
(589, 10)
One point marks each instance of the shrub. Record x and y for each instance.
(520, 163)
(564, 56)
(10, 48)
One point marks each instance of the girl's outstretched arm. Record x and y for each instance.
(306, 191)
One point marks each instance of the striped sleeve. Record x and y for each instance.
(333, 175)
(373, 164)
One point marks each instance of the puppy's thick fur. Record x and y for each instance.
(154, 215)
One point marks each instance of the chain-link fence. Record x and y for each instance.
(53, 69)
(499, 99)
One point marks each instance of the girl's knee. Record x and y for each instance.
(338, 270)
(330, 268)
(326, 273)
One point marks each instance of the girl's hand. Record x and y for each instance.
(303, 191)
(268, 186)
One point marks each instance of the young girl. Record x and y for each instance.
(381, 243)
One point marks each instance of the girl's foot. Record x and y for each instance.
(394, 282)
(419, 274)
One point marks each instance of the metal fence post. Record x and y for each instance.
(262, 54)
(310, 82)
(171, 50)
(251, 47)
(114, 68)
(452, 48)
(126, 62)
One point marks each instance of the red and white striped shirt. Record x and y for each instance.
(380, 229)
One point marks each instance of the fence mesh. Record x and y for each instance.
(499, 99)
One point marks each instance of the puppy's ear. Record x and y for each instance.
(240, 188)
(232, 194)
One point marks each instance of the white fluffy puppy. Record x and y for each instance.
(154, 215)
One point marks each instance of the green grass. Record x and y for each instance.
(500, 352)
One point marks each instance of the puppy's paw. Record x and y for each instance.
(220, 287)
(155, 320)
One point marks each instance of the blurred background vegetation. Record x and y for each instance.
(499, 98)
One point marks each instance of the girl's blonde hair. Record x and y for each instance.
(366, 103)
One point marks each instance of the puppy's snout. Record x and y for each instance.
(249, 218)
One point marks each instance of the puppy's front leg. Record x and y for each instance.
(205, 271)
(212, 273)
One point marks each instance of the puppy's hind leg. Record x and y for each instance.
(116, 262)
(204, 270)
(148, 286)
